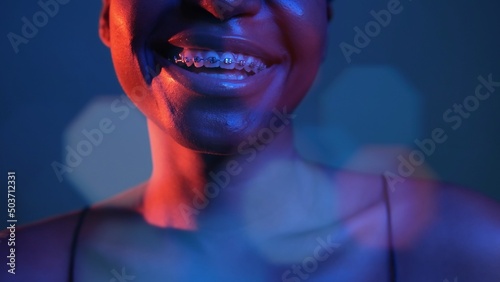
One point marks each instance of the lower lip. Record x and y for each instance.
(218, 87)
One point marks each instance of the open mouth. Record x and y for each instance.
(214, 64)
(218, 64)
(226, 65)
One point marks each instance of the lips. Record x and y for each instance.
(235, 44)
(209, 64)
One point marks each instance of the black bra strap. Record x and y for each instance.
(392, 255)
(74, 243)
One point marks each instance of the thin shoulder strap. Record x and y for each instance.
(392, 255)
(74, 243)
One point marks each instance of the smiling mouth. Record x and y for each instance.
(225, 65)
(211, 65)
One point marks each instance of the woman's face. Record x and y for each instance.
(211, 72)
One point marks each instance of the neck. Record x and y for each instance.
(187, 185)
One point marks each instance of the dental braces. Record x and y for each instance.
(213, 60)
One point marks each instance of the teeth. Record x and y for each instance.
(187, 58)
(228, 61)
(250, 64)
(212, 60)
(198, 59)
(225, 60)
(240, 62)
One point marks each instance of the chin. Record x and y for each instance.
(218, 134)
(208, 143)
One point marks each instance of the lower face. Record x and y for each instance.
(211, 83)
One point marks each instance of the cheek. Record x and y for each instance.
(129, 30)
(304, 21)
(304, 28)
(307, 30)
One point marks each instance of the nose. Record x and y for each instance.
(227, 9)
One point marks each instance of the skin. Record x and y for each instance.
(268, 218)
(196, 128)
(294, 32)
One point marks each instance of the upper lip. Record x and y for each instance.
(227, 43)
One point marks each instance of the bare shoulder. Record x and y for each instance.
(442, 231)
(42, 251)
(39, 251)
